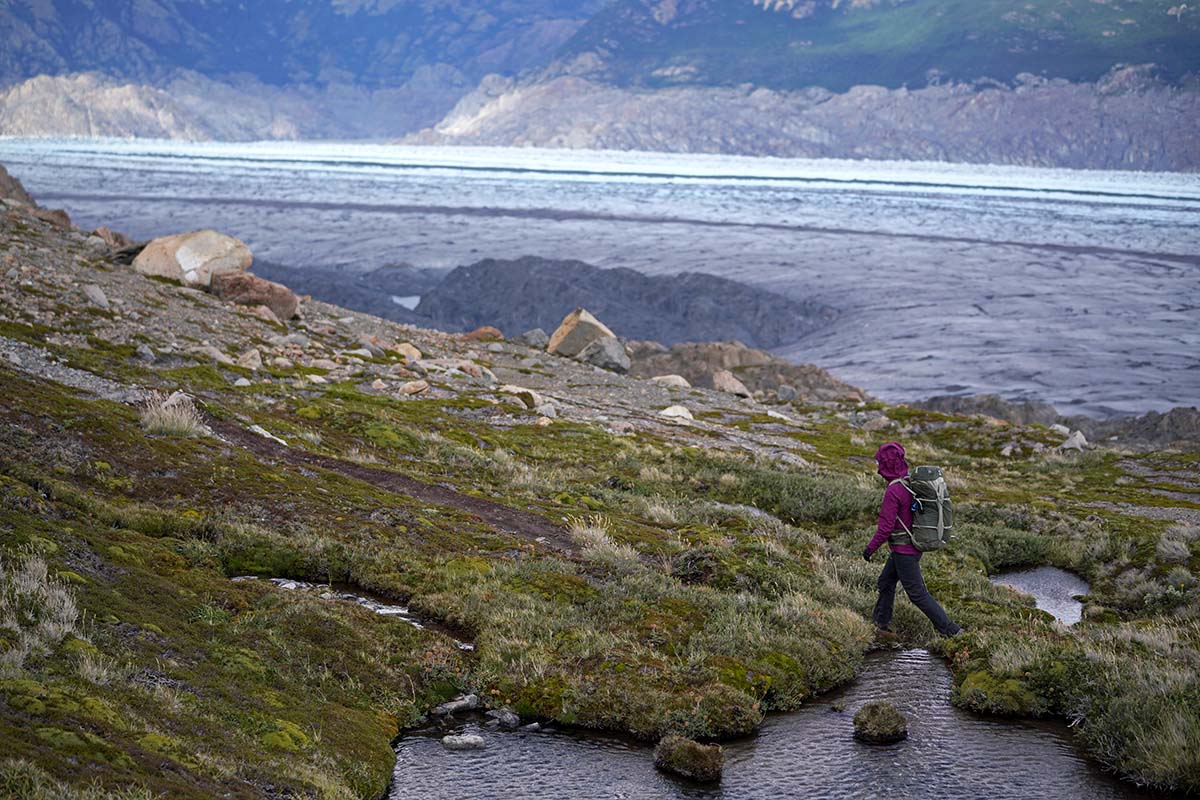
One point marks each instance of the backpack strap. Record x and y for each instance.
(903, 482)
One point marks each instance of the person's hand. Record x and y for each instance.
(867, 554)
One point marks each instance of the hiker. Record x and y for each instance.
(904, 562)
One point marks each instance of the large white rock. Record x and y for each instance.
(672, 381)
(577, 330)
(726, 381)
(193, 258)
(676, 412)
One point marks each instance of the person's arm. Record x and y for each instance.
(888, 511)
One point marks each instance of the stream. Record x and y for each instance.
(949, 753)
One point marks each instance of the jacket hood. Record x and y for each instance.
(890, 459)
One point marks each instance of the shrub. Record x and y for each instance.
(880, 723)
(36, 610)
(172, 415)
(692, 760)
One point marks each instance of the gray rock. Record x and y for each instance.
(536, 338)
(608, 353)
(466, 741)
(547, 410)
(96, 295)
(144, 353)
(507, 718)
(1076, 441)
(672, 381)
(725, 381)
(464, 703)
(241, 383)
(786, 393)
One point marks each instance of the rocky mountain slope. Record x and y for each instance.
(579, 546)
(795, 44)
(225, 70)
(1128, 120)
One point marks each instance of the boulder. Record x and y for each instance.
(114, 240)
(536, 338)
(607, 352)
(414, 387)
(407, 351)
(213, 354)
(672, 381)
(193, 258)
(725, 381)
(879, 723)
(485, 334)
(529, 398)
(11, 189)
(1076, 441)
(676, 412)
(577, 330)
(245, 289)
(785, 393)
(690, 759)
(55, 216)
(265, 314)
(466, 741)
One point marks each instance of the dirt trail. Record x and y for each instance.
(522, 524)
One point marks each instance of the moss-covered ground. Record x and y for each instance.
(707, 581)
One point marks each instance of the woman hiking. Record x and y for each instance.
(904, 562)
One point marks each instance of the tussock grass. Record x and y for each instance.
(37, 610)
(172, 415)
(22, 780)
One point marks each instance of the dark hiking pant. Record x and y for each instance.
(907, 570)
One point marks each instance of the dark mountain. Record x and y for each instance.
(537, 293)
(837, 44)
(372, 43)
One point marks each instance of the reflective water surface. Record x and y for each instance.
(807, 754)
(1053, 588)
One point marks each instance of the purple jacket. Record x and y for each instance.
(897, 502)
(896, 508)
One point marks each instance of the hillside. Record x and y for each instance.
(794, 44)
(574, 554)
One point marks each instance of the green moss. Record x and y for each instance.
(981, 691)
(284, 735)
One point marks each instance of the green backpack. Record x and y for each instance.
(933, 513)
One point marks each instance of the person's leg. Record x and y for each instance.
(882, 616)
(908, 568)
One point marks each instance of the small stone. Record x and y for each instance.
(878, 423)
(532, 727)
(463, 703)
(378, 384)
(251, 359)
(676, 412)
(361, 352)
(374, 345)
(316, 379)
(414, 387)
(96, 295)
(507, 718)
(144, 353)
(1059, 428)
(672, 381)
(466, 741)
(547, 410)
(213, 354)
(543, 422)
(241, 383)
(786, 393)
